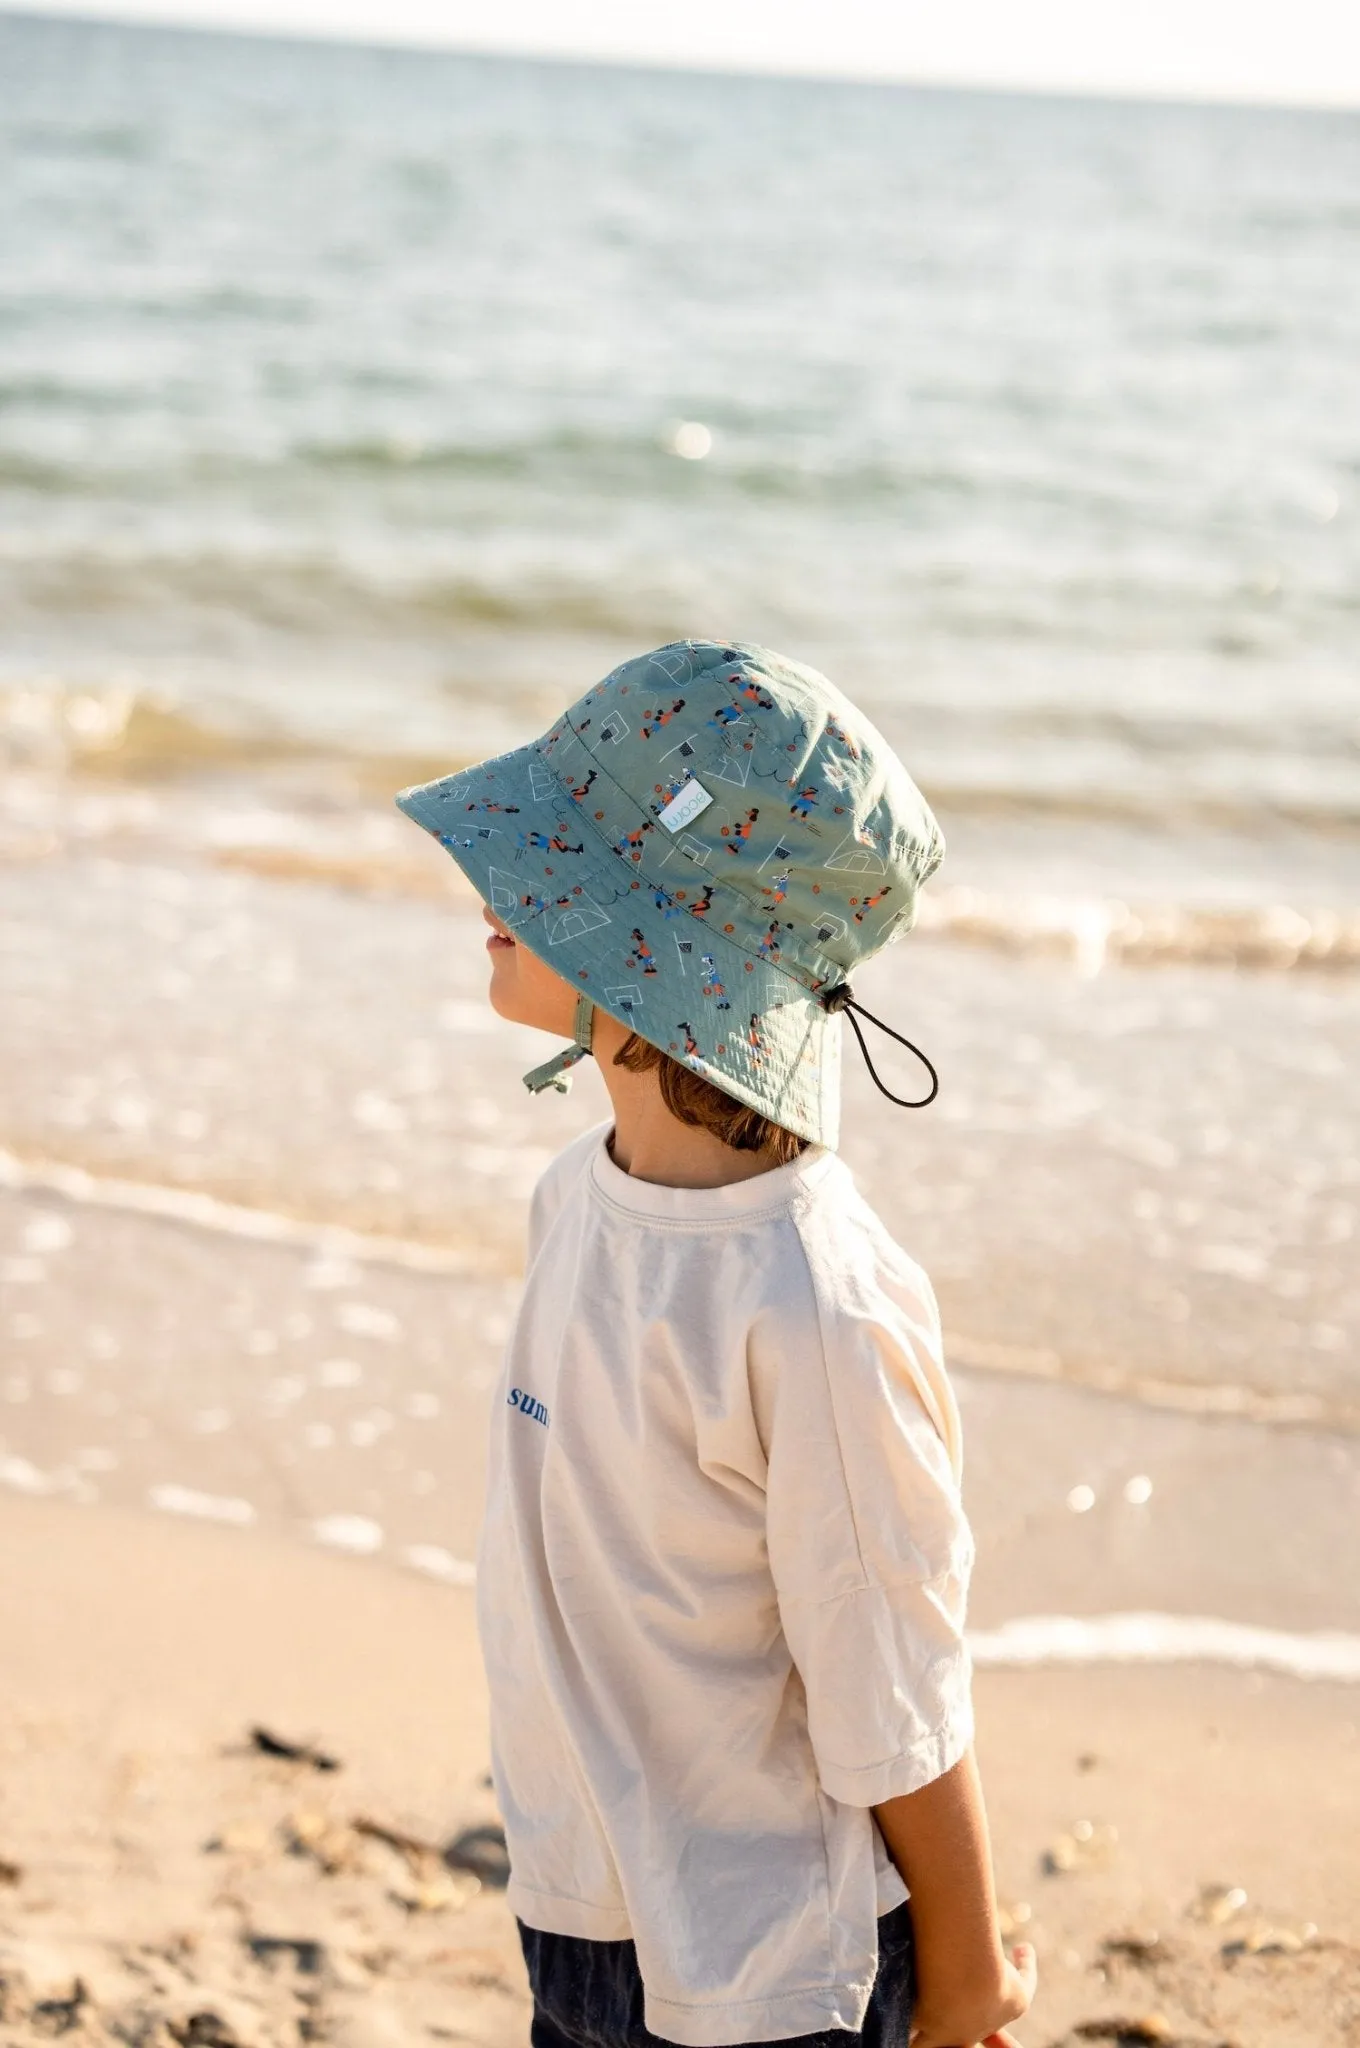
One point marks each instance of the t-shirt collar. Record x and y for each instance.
(761, 1194)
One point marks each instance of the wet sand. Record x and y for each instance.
(297, 1389)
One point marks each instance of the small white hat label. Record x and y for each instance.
(685, 806)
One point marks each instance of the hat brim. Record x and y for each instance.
(641, 945)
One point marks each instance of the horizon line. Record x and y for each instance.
(248, 30)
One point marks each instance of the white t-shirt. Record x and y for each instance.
(721, 1584)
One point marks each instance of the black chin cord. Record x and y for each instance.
(840, 998)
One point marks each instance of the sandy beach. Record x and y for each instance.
(1178, 1844)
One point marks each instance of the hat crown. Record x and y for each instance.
(722, 770)
(706, 845)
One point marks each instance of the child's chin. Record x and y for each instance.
(512, 1002)
(502, 992)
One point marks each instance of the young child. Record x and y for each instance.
(722, 1574)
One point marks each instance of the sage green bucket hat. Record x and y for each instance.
(706, 845)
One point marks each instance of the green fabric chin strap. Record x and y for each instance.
(553, 1073)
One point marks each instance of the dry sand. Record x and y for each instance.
(167, 1883)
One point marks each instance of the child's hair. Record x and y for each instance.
(696, 1101)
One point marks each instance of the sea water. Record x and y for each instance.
(381, 400)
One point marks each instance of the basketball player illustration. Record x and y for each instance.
(739, 833)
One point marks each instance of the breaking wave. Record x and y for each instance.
(1095, 933)
(1033, 1639)
(136, 736)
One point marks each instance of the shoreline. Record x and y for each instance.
(290, 1050)
(345, 1399)
(1029, 1641)
(193, 1207)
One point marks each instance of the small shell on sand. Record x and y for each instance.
(1087, 1845)
(330, 1843)
(437, 1891)
(1217, 1903)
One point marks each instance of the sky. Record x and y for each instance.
(1291, 51)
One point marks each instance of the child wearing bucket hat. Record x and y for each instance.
(724, 1562)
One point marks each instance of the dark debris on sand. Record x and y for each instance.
(1230, 1978)
(269, 1744)
(1150, 2031)
(297, 1921)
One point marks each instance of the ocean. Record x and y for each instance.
(382, 399)
(358, 409)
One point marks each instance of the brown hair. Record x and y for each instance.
(696, 1101)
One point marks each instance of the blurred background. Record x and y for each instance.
(361, 405)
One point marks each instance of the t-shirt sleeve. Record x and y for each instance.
(869, 1546)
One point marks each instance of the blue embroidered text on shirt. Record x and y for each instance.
(527, 1405)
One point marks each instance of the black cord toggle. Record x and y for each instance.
(840, 998)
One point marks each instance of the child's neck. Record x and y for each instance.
(651, 1144)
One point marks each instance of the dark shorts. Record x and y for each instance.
(588, 1994)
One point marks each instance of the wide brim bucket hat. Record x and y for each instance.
(705, 845)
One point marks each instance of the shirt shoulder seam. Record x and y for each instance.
(799, 1218)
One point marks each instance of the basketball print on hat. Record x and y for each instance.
(712, 789)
